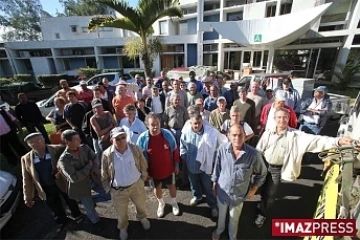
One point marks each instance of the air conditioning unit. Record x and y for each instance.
(119, 50)
(179, 48)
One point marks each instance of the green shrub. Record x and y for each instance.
(118, 70)
(141, 72)
(88, 72)
(6, 80)
(23, 77)
(51, 80)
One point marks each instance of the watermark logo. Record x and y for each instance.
(313, 227)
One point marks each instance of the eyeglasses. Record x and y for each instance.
(120, 138)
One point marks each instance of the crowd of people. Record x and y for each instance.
(225, 144)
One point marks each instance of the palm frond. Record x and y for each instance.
(109, 21)
(134, 47)
(151, 10)
(123, 7)
(156, 46)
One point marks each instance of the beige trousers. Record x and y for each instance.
(120, 199)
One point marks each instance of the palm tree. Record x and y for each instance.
(139, 20)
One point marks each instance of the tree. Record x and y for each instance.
(139, 20)
(346, 73)
(21, 19)
(83, 8)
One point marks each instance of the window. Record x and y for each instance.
(163, 27)
(91, 62)
(356, 40)
(183, 28)
(57, 35)
(271, 11)
(129, 63)
(84, 29)
(66, 64)
(285, 8)
(257, 59)
(237, 16)
(73, 28)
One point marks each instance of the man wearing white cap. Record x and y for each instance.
(85, 93)
(267, 120)
(123, 172)
(219, 115)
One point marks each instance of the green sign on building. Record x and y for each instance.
(258, 38)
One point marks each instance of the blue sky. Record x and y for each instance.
(52, 5)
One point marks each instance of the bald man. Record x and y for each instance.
(236, 162)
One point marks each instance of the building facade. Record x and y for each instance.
(313, 35)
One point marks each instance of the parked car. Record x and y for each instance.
(264, 78)
(9, 196)
(47, 105)
(35, 92)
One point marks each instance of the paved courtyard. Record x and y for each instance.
(296, 200)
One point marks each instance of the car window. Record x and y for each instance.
(94, 81)
(126, 77)
(109, 77)
(245, 80)
(50, 102)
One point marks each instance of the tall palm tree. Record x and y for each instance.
(138, 20)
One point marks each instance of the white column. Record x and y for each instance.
(11, 60)
(220, 60)
(352, 26)
(99, 59)
(200, 18)
(59, 66)
(278, 8)
(241, 62)
(185, 55)
(251, 58)
(262, 59)
(270, 60)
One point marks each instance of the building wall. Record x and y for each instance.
(192, 26)
(40, 65)
(5, 68)
(77, 63)
(111, 62)
(211, 35)
(255, 10)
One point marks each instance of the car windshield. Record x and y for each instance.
(245, 79)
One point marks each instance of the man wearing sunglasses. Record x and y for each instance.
(123, 172)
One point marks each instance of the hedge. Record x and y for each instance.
(88, 72)
(23, 77)
(6, 80)
(51, 80)
(118, 70)
(141, 72)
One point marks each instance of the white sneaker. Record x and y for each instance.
(175, 209)
(161, 210)
(123, 234)
(259, 220)
(194, 201)
(145, 224)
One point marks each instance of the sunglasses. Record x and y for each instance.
(120, 138)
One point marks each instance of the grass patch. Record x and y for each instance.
(4, 166)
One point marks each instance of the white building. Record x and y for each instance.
(229, 34)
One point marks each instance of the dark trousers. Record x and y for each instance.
(11, 147)
(53, 201)
(40, 127)
(270, 189)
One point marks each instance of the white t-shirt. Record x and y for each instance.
(271, 124)
(156, 105)
(248, 130)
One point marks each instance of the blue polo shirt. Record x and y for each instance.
(44, 169)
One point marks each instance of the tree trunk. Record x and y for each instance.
(146, 58)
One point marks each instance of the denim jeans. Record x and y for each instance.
(201, 183)
(89, 206)
(97, 148)
(270, 189)
(310, 128)
(234, 217)
(102, 195)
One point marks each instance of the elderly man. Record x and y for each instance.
(183, 101)
(108, 87)
(162, 79)
(314, 111)
(121, 100)
(233, 181)
(198, 147)
(204, 113)
(235, 116)
(222, 89)
(259, 101)
(192, 79)
(78, 163)
(85, 94)
(29, 114)
(291, 95)
(219, 115)
(266, 120)
(231, 95)
(269, 95)
(132, 125)
(40, 173)
(160, 149)
(205, 91)
(210, 103)
(175, 116)
(156, 102)
(247, 107)
(283, 148)
(123, 172)
(192, 94)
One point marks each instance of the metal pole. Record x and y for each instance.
(308, 65)
(317, 60)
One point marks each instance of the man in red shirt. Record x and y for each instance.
(160, 149)
(85, 93)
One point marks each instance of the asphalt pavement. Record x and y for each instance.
(296, 200)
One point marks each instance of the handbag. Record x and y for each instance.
(55, 138)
